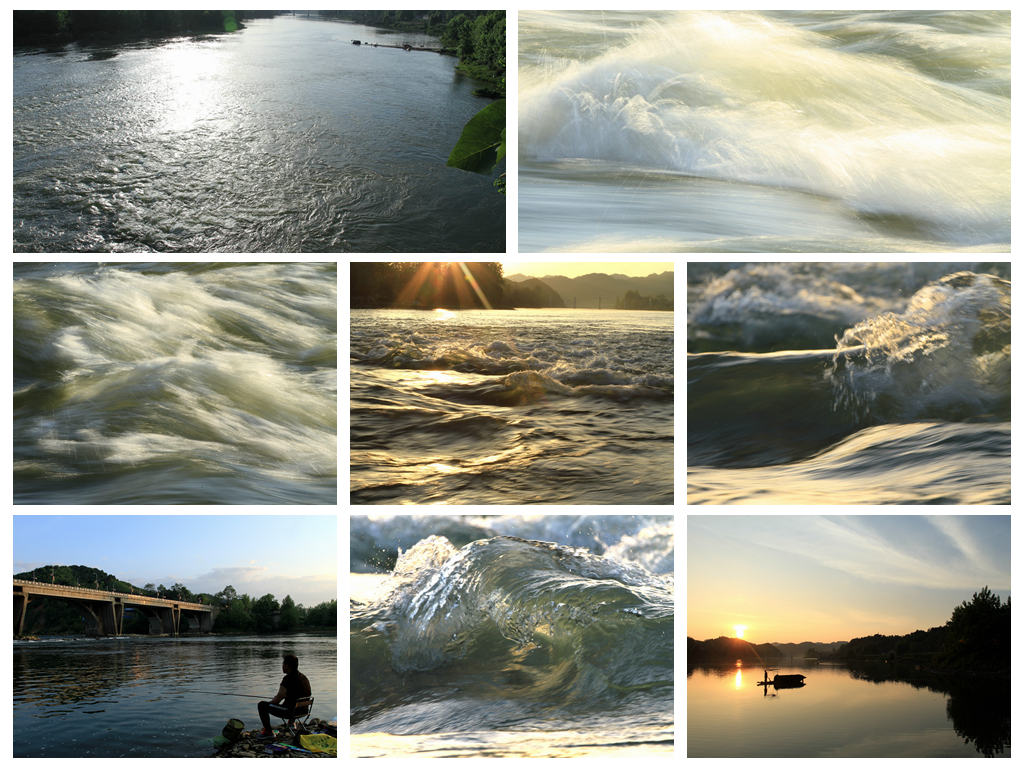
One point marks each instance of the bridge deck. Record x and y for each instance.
(22, 586)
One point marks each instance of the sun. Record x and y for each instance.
(739, 629)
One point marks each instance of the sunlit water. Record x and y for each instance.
(281, 137)
(175, 384)
(848, 384)
(511, 407)
(840, 713)
(512, 636)
(764, 131)
(134, 697)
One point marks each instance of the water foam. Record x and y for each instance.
(220, 371)
(742, 97)
(947, 354)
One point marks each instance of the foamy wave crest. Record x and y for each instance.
(741, 97)
(947, 355)
(533, 620)
(225, 373)
(528, 374)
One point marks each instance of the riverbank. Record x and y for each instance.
(251, 744)
(476, 37)
(53, 28)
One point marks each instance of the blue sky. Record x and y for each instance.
(822, 579)
(256, 554)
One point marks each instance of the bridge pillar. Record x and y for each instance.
(20, 608)
(93, 621)
(111, 616)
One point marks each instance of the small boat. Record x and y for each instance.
(789, 679)
(357, 42)
(785, 681)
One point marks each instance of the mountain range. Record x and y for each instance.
(600, 290)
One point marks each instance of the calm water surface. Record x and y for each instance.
(511, 407)
(282, 137)
(836, 714)
(130, 697)
(759, 131)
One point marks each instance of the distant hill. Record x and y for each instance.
(598, 289)
(78, 576)
(808, 649)
(726, 650)
(531, 292)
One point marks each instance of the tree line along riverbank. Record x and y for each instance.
(476, 37)
(239, 613)
(41, 27)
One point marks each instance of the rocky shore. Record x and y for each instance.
(250, 744)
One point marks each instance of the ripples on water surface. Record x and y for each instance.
(282, 137)
(136, 697)
(511, 407)
(764, 131)
(512, 636)
(908, 404)
(175, 383)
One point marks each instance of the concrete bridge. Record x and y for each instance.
(104, 611)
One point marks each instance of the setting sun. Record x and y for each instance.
(739, 629)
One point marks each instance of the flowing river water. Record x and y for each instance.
(281, 137)
(537, 406)
(164, 383)
(136, 696)
(764, 130)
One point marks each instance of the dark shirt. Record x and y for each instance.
(296, 686)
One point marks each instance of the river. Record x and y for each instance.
(754, 131)
(849, 383)
(512, 635)
(536, 406)
(840, 712)
(171, 383)
(281, 137)
(133, 696)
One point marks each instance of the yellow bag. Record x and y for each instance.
(319, 742)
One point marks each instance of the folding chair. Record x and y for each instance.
(299, 713)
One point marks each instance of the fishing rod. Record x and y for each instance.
(220, 693)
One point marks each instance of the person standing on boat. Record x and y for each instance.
(294, 685)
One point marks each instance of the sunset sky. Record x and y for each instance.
(577, 268)
(823, 579)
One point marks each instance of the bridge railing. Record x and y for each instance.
(105, 594)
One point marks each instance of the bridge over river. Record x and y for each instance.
(104, 611)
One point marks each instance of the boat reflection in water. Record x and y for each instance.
(782, 681)
(864, 710)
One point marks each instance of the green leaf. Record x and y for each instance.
(482, 143)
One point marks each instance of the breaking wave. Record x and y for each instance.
(535, 625)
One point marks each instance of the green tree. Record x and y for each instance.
(263, 611)
(978, 634)
(290, 616)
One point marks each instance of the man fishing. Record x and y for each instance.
(294, 685)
